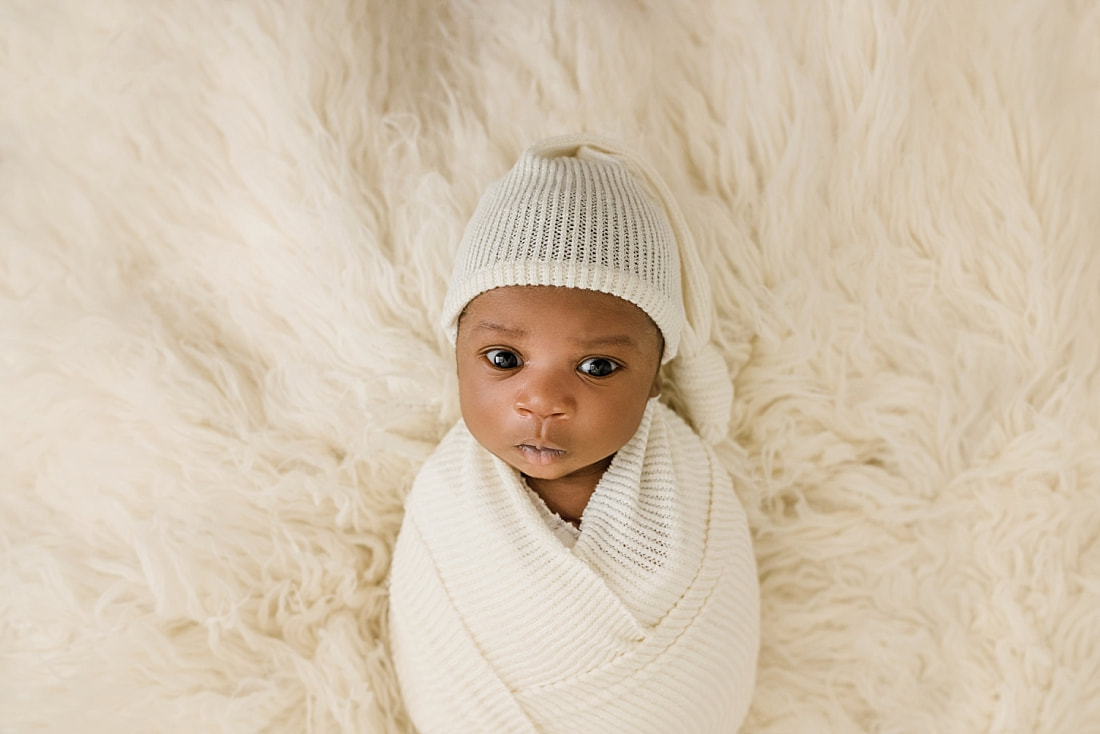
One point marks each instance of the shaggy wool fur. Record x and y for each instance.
(225, 233)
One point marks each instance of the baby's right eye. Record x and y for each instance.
(502, 359)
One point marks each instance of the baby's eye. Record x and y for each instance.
(597, 367)
(502, 359)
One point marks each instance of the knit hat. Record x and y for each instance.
(579, 211)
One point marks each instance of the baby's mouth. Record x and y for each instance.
(539, 454)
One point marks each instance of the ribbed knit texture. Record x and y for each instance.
(580, 211)
(649, 624)
(560, 220)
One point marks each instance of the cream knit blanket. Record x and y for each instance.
(648, 624)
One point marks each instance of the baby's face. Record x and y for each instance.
(554, 381)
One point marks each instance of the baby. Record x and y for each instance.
(573, 557)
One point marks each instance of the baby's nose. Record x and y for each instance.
(545, 395)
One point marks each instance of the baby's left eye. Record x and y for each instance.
(597, 367)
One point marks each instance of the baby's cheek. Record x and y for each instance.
(483, 413)
(627, 416)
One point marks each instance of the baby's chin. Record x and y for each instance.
(547, 469)
(555, 471)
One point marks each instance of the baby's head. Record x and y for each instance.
(564, 303)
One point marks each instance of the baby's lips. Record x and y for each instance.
(541, 445)
(540, 456)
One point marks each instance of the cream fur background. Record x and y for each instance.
(226, 229)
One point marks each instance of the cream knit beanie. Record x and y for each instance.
(575, 212)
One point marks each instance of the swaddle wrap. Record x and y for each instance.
(650, 623)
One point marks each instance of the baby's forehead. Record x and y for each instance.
(524, 304)
(539, 297)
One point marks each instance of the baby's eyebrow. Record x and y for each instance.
(499, 328)
(607, 340)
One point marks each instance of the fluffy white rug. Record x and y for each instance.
(226, 229)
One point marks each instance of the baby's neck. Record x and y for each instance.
(567, 497)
